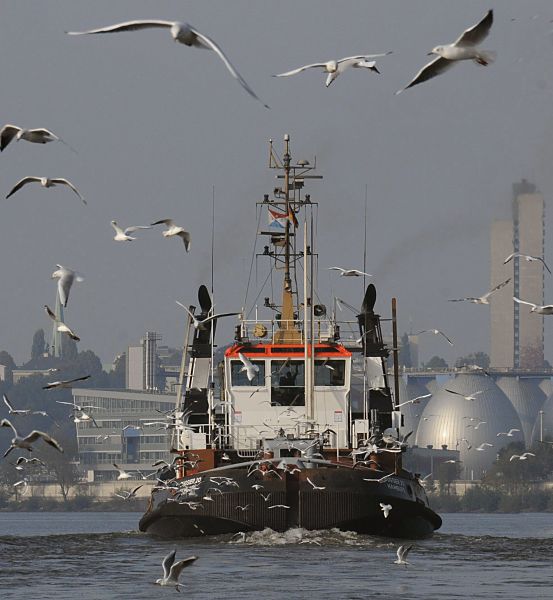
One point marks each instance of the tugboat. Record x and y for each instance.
(283, 444)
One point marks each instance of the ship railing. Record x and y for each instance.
(324, 330)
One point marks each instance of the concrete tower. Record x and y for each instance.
(516, 334)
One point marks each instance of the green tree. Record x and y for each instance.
(62, 465)
(39, 345)
(404, 358)
(68, 348)
(436, 362)
(480, 359)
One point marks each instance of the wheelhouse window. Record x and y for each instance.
(330, 372)
(287, 383)
(240, 378)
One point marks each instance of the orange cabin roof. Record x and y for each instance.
(286, 350)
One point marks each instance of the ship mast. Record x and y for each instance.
(288, 332)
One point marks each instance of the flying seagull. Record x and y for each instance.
(546, 309)
(415, 400)
(385, 508)
(436, 332)
(175, 230)
(61, 326)
(122, 235)
(65, 278)
(122, 473)
(402, 553)
(483, 446)
(180, 32)
(172, 569)
(25, 442)
(315, 487)
(66, 383)
(200, 324)
(46, 182)
(20, 411)
(527, 258)
(127, 495)
(465, 48)
(523, 456)
(349, 272)
(485, 299)
(36, 136)
(249, 367)
(337, 67)
(466, 397)
(27, 461)
(509, 433)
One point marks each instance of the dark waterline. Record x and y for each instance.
(101, 555)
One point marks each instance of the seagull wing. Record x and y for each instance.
(7, 133)
(64, 285)
(445, 336)
(168, 563)
(497, 287)
(168, 222)
(336, 269)
(43, 133)
(71, 334)
(462, 299)
(477, 33)
(177, 567)
(35, 434)
(213, 317)
(403, 551)
(127, 26)
(452, 392)
(435, 67)
(185, 237)
(363, 57)
(21, 183)
(63, 181)
(510, 257)
(7, 402)
(544, 263)
(524, 302)
(136, 228)
(50, 313)
(83, 378)
(135, 490)
(300, 69)
(208, 42)
(188, 311)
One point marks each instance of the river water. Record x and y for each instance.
(81, 556)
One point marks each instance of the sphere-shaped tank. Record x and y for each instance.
(409, 389)
(527, 398)
(470, 426)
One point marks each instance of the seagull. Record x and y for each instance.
(180, 32)
(509, 433)
(242, 508)
(485, 298)
(61, 326)
(20, 411)
(127, 495)
(122, 235)
(122, 473)
(469, 397)
(378, 480)
(77, 407)
(27, 461)
(527, 258)
(402, 553)
(85, 418)
(175, 230)
(546, 309)
(277, 506)
(249, 367)
(65, 278)
(315, 487)
(477, 425)
(415, 400)
(36, 136)
(337, 67)
(200, 324)
(349, 272)
(483, 447)
(523, 456)
(45, 182)
(172, 569)
(66, 383)
(25, 442)
(386, 508)
(464, 48)
(436, 332)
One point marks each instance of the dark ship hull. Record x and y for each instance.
(348, 502)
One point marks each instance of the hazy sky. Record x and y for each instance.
(157, 125)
